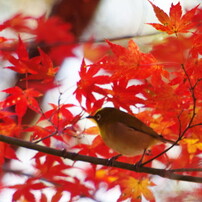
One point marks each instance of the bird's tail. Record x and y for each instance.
(168, 141)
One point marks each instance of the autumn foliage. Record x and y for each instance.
(163, 88)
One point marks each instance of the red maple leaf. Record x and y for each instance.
(44, 71)
(89, 84)
(7, 152)
(50, 167)
(175, 22)
(74, 187)
(124, 95)
(18, 23)
(173, 51)
(64, 124)
(53, 30)
(96, 148)
(22, 64)
(56, 34)
(40, 133)
(91, 108)
(25, 189)
(22, 99)
(58, 115)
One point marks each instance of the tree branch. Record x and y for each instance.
(78, 157)
(186, 170)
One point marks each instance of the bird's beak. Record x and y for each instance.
(89, 117)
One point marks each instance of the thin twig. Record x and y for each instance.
(44, 138)
(31, 43)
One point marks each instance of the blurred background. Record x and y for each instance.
(116, 20)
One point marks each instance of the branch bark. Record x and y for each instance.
(95, 160)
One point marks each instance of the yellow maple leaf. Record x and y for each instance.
(105, 175)
(192, 145)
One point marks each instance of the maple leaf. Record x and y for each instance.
(18, 23)
(163, 99)
(9, 127)
(134, 188)
(2, 44)
(52, 30)
(58, 37)
(187, 160)
(24, 190)
(197, 20)
(58, 114)
(22, 64)
(39, 133)
(125, 96)
(173, 50)
(50, 167)
(4, 114)
(93, 52)
(106, 175)
(7, 152)
(22, 99)
(88, 84)
(192, 145)
(175, 22)
(195, 73)
(64, 124)
(74, 187)
(57, 196)
(93, 107)
(130, 63)
(44, 71)
(97, 176)
(197, 45)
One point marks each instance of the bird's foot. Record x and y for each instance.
(112, 159)
(138, 164)
(148, 152)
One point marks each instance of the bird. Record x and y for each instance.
(124, 133)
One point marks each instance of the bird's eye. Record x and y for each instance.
(98, 117)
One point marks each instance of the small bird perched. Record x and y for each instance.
(125, 133)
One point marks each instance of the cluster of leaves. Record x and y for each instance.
(165, 83)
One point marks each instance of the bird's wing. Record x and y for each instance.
(138, 125)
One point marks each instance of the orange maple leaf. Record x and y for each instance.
(131, 63)
(135, 189)
(93, 51)
(175, 22)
